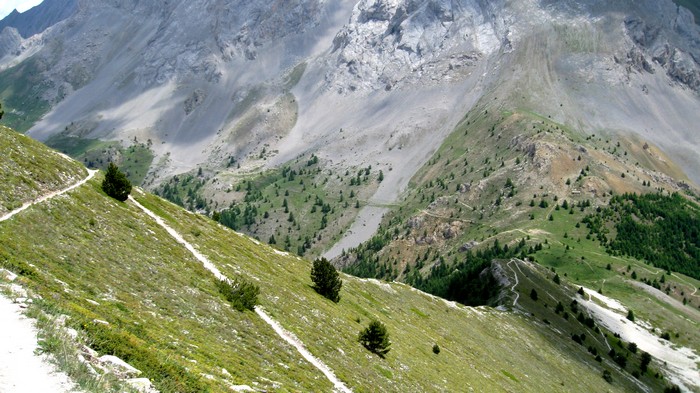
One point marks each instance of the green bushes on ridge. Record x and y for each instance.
(663, 230)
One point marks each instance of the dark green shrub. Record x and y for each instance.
(242, 294)
(116, 184)
(375, 338)
(326, 280)
(607, 377)
(533, 294)
(436, 349)
(644, 363)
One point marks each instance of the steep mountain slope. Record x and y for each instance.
(39, 171)
(394, 74)
(37, 19)
(131, 290)
(358, 84)
(532, 195)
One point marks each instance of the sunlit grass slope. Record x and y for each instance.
(28, 170)
(136, 293)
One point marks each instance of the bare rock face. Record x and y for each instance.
(389, 43)
(194, 76)
(683, 66)
(10, 42)
(118, 367)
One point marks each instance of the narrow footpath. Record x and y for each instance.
(91, 174)
(286, 335)
(21, 368)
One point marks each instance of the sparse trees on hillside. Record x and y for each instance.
(375, 338)
(116, 184)
(326, 280)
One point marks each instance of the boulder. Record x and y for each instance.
(118, 367)
(143, 385)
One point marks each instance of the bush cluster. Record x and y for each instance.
(242, 294)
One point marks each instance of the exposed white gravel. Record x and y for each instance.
(681, 362)
(21, 368)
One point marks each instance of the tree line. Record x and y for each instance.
(663, 230)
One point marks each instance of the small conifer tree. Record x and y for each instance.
(375, 338)
(116, 184)
(533, 294)
(326, 280)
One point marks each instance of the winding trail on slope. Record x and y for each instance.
(512, 289)
(21, 369)
(91, 174)
(686, 283)
(286, 335)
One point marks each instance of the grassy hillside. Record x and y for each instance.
(21, 91)
(29, 170)
(133, 291)
(527, 194)
(134, 160)
(301, 207)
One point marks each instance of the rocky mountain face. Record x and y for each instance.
(10, 42)
(369, 82)
(38, 19)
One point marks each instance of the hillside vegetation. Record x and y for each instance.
(135, 160)
(527, 194)
(661, 230)
(131, 290)
(300, 207)
(31, 170)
